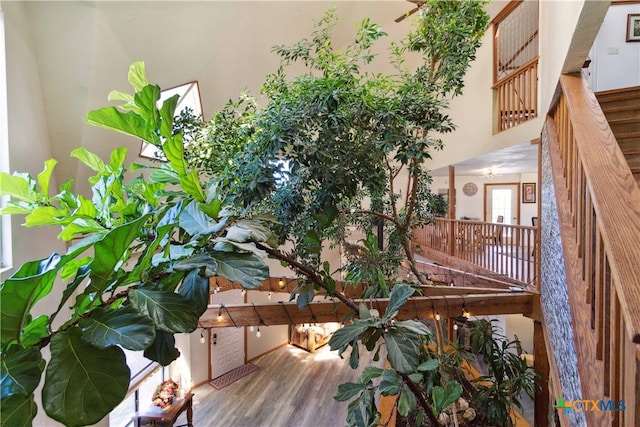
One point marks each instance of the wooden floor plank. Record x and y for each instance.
(292, 388)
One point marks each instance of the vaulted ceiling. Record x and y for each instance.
(84, 49)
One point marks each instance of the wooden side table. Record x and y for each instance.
(166, 417)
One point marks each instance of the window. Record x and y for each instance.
(5, 220)
(145, 377)
(189, 101)
(516, 37)
(501, 204)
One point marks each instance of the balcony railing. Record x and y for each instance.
(599, 212)
(517, 96)
(507, 251)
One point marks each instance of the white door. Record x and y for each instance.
(227, 344)
(502, 200)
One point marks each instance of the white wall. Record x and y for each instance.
(272, 336)
(473, 206)
(472, 112)
(615, 63)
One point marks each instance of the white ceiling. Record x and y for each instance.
(513, 160)
(84, 49)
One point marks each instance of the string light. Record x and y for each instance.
(269, 295)
(251, 328)
(437, 315)
(281, 283)
(220, 312)
(243, 292)
(258, 334)
(455, 327)
(202, 338)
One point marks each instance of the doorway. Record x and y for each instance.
(227, 344)
(502, 199)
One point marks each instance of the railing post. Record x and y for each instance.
(540, 367)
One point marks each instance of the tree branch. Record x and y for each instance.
(309, 273)
(423, 402)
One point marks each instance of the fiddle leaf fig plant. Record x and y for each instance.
(136, 273)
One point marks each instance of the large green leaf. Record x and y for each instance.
(443, 397)
(18, 411)
(19, 186)
(21, 370)
(247, 269)
(142, 267)
(146, 100)
(196, 289)
(46, 215)
(399, 295)
(174, 150)
(362, 411)
(89, 159)
(193, 220)
(170, 312)
(34, 331)
(108, 252)
(407, 402)
(200, 260)
(345, 335)
(414, 326)
(83, 383)
(163, 350)
(128, 123)
(21, 291)
(167, 112)
(137, 76)
(403, 350)
(190, 183)
(79, 227)
(390, 383)
(123, 326)
(348, 390)
(44, 177)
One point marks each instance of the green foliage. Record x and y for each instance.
(299, 169)
(138, 274)
(509, 372)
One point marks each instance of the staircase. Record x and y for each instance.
(621, 107)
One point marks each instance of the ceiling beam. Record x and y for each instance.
(281, 313)
(277, 284)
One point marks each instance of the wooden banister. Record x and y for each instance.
(599, 211)
(507, 251)
(517, 96)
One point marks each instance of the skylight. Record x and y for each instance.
(189, 99)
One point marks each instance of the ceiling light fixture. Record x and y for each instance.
(489, 172)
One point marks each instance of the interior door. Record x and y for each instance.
(502, 199)
(227, 344)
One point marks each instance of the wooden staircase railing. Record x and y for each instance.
(508, 251)
(599, 212)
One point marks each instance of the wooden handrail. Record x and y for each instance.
(517, 96)
(518, 70)
(506, 250)
(599, 211)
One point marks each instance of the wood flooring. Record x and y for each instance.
(291, 388)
